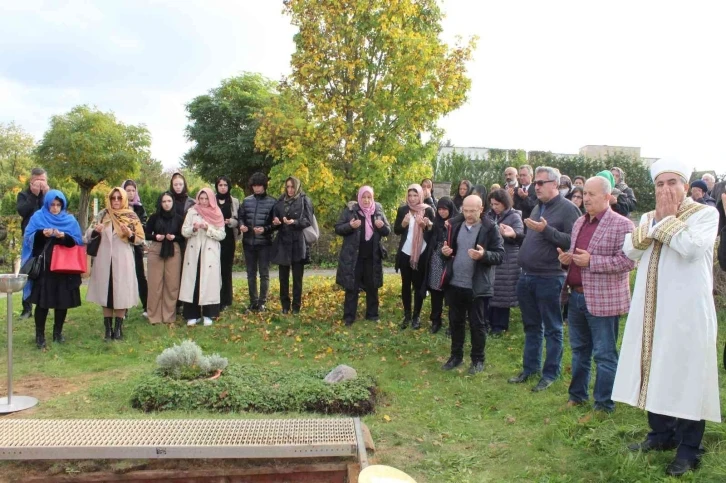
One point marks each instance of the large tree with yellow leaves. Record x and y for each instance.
(370, 79)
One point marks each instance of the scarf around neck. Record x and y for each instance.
(416, 209)
(167, 223)
(123, 216)
(211, 213)
(367, 213)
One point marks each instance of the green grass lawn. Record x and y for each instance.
(437, 426)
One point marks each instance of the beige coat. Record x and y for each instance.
(113, 252)
(202, 245)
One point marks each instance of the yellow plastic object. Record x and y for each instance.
(383, 474)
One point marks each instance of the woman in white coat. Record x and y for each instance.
(113, 277)
(201, 275)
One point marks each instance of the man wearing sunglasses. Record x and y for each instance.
(542, 277)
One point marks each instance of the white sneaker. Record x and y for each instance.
(207, 321)
(145, 315)
(191, 322)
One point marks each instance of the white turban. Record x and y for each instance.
(671, 165)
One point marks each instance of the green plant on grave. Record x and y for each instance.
(186, 361)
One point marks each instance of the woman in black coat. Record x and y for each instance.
(465, 189)
(435, 268)
(48, 227)
(414, 221)
(360, 264)
(135, 204)
(506, 275)
(290, 216)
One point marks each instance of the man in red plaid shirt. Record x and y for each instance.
(597, 277)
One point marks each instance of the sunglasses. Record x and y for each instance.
(541, 183)
(116, 198)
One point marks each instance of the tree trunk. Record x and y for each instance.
(83, 203)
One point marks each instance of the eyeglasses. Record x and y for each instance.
(541, 183)
(116, 198)
(577, 197)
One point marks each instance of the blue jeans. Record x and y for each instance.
(592, 335)
(539, 302)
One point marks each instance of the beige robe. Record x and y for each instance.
(201, 246)
(116, 253)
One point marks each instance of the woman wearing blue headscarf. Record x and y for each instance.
(51, 225)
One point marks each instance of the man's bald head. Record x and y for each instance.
(472, 208)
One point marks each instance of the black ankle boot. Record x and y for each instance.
(406, 320)
(118, 329)
(109, 329)
(435, 326)
(40, 341)
(58, 335)
(416, 323)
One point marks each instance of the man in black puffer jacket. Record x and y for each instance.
(255, 221)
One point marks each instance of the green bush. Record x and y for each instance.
(253, 388)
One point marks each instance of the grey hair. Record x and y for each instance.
(553, 174)
(527, 167)
(708, 176)
(604, 182)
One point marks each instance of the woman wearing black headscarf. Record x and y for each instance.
(464, 190)
(230, 207)
(444, 210)
(135, 204)
(182, 202)
(163, 230)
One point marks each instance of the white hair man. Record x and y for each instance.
(710, 180)
(668, 362)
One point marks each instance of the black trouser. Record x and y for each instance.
(41, 314)
(462, 302)
(437, 305)
(141, 276)
(411, 278)
(226, 261)
(499, 318)
(257, 260)
(298, 268)
(193, 310)
(364, 278)
(684, 433)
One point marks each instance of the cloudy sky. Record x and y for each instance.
(549, 76)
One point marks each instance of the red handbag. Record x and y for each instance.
(71, 260)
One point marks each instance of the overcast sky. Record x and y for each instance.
(550, 76)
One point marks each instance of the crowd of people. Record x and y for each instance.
(539, 241)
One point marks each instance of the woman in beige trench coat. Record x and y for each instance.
(113, 278)
(202, 275)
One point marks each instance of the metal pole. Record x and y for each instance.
(10, 349)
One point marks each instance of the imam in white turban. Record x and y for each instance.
(671, 165)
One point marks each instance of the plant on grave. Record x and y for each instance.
(186, 361)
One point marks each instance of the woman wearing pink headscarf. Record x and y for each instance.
(202, 275)
(360, 264)
(414, 221)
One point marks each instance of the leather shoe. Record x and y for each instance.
(435, 327)
(476, 367)
(520, 378)
(572, 404)
(416, 323)
(26, 314)
(348, 322)
(542, 385)
(406, 321)
(285, 311)
(679, 467)
(649, 445)
(452, 363)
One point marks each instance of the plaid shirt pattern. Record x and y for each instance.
(606, 281)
